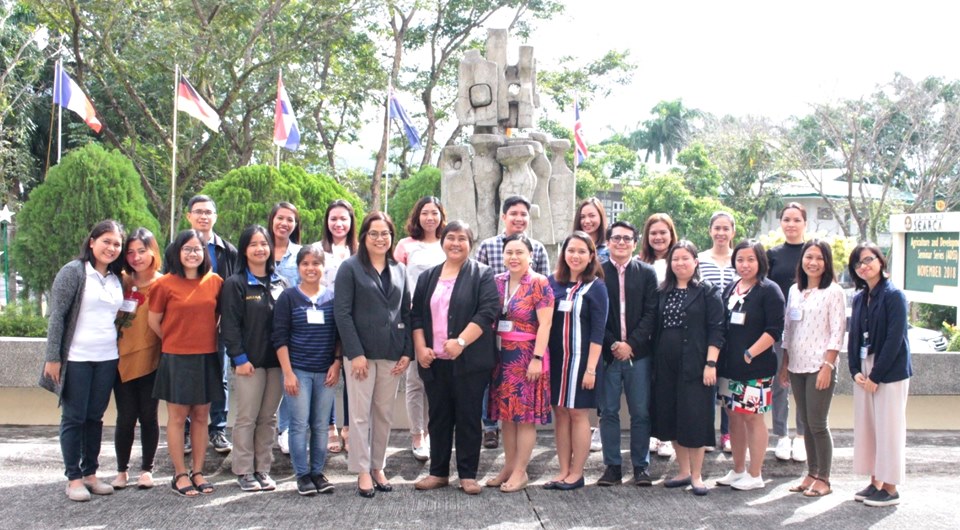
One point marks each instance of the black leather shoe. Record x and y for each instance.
(385, 487)
(366, 494)
(612, 475)
(642, 478)
(567, 486)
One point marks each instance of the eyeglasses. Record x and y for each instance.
(379, 235)
(866, 261)
(206, 213)
(621, 239)
(191, 250)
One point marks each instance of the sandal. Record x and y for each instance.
(799, 488)
(344, 436)
(186, 491)
(204, 487)
(816, 493)
(333, 441)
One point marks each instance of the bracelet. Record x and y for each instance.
(830, 364)
(591, 373)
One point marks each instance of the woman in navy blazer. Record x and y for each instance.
(879, 357)
(459, 296)
(372, 310)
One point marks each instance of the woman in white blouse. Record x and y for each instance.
(812, 338)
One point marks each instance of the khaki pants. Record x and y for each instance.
(371, 415)
(254, 431)
(416, 401)
(880, 429)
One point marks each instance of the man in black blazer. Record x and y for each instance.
(627, 355)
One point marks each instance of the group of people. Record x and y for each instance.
(490, 345)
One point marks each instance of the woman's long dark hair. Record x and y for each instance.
(327, 240)
(245, 238)
(295, 235)
(103, 227)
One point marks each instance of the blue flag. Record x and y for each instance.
(397, 112)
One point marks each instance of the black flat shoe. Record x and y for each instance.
(366, 494)
(385, 487)
(551, 485)
(567, 486)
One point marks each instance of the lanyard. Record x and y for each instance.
(506, 300)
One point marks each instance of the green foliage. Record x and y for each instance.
(246, 195)
(89, 185)
(935, 316)
(668, 193)
(22, 321)
(701, 175)
(423, 183)
(954, 335)
(594, 79)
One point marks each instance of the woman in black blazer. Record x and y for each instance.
(689, 337)
(879, 357)
(748, 364)
(455, 349)
(372, 310)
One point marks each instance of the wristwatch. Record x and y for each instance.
(712, 364)
(538, 357)
(747, 354)
(461, 342)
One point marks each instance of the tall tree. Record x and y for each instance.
(668, 132)
(124, 54)
(905, 137)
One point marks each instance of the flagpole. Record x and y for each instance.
(278, 158)
(279, 80)
(57, 85)
(576, 156)
(173, 164)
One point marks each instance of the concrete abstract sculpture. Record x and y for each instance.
(494, 96)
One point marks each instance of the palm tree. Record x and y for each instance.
(668, 132)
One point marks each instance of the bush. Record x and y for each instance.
(423, 183)
(245, 196)
(89, 185)
(22, 321)
(933, 316)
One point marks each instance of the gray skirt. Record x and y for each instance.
(192, 379)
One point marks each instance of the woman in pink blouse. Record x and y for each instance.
(812, 338)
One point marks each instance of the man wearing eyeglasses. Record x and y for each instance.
(202, 214)
(627, 355)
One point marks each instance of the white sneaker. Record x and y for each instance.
(665, 450)
(799, 450)
(654, 445)
(748, 483)
(731, 477)
(422, 453)
(284, 442)
(595, 443)
(783, 449)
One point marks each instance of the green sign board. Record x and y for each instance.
(931, 259)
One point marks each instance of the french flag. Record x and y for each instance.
(286, 134)
(67, 94)
(189, 101)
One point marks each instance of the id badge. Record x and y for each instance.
(315, 316)
(129, 305)
(737, 318)
(504, 326)
(565, 306)
(795, 313)
(864, 350)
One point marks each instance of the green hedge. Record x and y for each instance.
(22, 321)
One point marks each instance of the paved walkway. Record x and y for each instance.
(32, 494)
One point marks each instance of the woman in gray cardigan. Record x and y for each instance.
(372, 310)
(81, 358)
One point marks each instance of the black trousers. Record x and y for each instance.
(135, 402)
(456, 405)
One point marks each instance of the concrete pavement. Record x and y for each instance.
(31, 495)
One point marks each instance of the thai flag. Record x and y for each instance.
(397, 112)
(189, 101)
(67, 94)
(579, 143)
(286, 134)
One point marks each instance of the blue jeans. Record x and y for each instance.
(283, 415)
(488, 424)
(84, 399)
(634, 381)
(311, 406)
